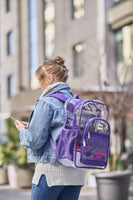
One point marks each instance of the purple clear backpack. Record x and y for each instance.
(84, 141)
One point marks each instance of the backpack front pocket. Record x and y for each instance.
(95, 144)
(95, 149)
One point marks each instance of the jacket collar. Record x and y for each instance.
(54, 88)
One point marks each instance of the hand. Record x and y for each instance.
(26, 124)
(19, 125)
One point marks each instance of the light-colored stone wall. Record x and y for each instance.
(9, 63)
(24, 44)
(90, 30)
(40, 32)
(70, 32)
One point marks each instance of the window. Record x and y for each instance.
(8, 5)
(119, 44)
(124, 54)
(10, 43)
(10, 84)
(33, 42)
(49, 27)
(78, 57)
(129, 136)
(118, 1)
(78, 9)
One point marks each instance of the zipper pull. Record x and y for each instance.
(88, 135)
(84, 143)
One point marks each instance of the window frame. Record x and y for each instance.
(45, 25)
(10, 85)
(8, 5)
(78, 70)
(123, 81)
(116, 3)
(73, 10)
(10, 48)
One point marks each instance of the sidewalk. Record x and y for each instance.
(88, 194)
(7, 193)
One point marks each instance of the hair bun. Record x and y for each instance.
(59, 60)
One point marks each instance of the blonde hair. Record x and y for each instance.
(55, 67)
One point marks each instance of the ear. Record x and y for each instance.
(50, 78)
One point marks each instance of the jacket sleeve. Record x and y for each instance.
(37, 134)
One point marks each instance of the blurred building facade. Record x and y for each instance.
(94, 37)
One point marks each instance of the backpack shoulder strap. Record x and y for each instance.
(62, 98)
(59, 96)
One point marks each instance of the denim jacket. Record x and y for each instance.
(47, 118)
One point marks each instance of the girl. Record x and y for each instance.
(51, 181)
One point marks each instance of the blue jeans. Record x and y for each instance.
(43, 192)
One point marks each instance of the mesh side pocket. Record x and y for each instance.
(66, 144)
